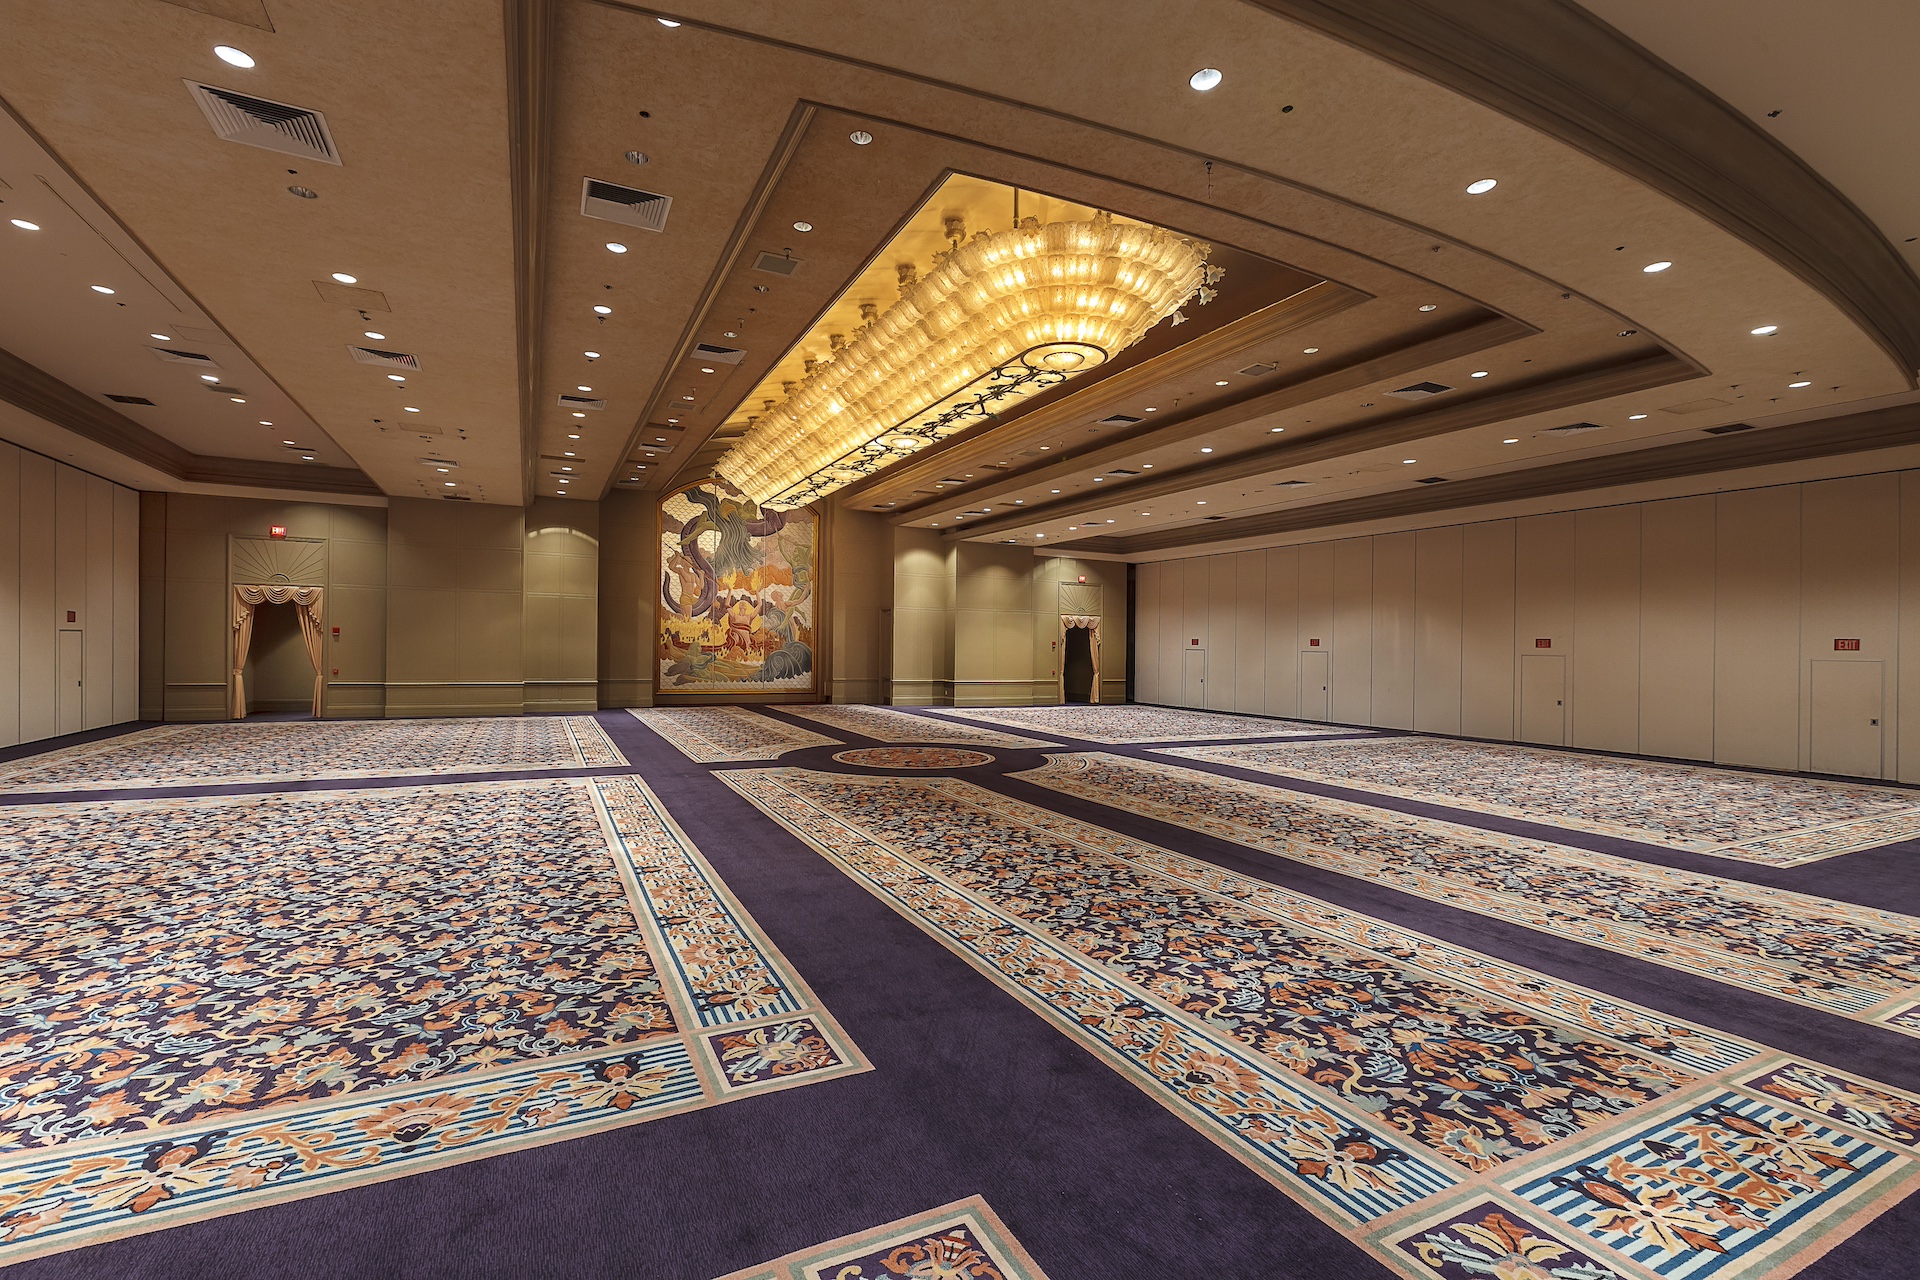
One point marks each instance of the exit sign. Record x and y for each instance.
(277, 531)
(1847, 646)
(1194, 641)
(1543, 644)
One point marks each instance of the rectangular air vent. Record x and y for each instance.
(1729, 429)
(129, 399)
(1119, 472)
(456, 497)
(391, 359)
(1257, 370)
(581, 402)
(173, 355)
(1116, 420)
(779, 264)
(1431, 480)
(1420, 390)
(262, 122)
(720, 355)
(628, 206)
(1574, 428)
(1213, 517)
(1290, 484)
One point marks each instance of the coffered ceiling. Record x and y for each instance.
(1330, 166)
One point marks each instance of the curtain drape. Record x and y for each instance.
(245, 600)
(1091, 622)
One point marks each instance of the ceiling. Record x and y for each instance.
(1329, 168)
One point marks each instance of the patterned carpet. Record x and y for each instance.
(1836, 956)
(1431, 1102)
(888, 725)
(1753, 817)
(276, 751)
(709, 734)
(964, 1240)
(1129, 722)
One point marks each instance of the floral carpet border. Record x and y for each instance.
(748, 1024)
(888, 725)
(1703, 1182)
(1120, 723)
(965, 1240)
(710, 735)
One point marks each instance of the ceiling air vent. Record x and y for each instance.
(581, 402)
(1118, 472)
(1257, 370)
(779, 264)
(456, 497)
(1116, 420)
(1574, 428)
(721, 355)
(1729, 429)
(262, 122)
(1290, 484)
(1213, 517)
(173, 356)
(1431, 480)
(391, 359)
(628, 206)
(1420, 391)
(129, 399)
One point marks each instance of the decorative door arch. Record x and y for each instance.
(246, 599)
(1090, 623)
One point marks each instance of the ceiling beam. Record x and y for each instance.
(532, 40)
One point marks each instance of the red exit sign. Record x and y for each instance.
(1543, 644)
(276, 531)
(1847, 646)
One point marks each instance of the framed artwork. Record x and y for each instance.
(738, 595)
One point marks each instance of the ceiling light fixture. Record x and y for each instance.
(237, 399)
(396, 377)
(1509, 442)
(1220, 382)
(578, 414)
(591, 355)
(1654, 268)
(265, 423)
(286, 442)
(1053, 491)
(1635, 417)
(614, 246)
(377, 337)
(1205, 78)
(1764, 330)
(411, 409)
(1147, 465)
(344, 278)
(1206, 448)
(24, 225)
(233, 57)
(637, 157)
(1201, 503)
(1274, 431)
(803, 226)
(100, 288)
(859, 137)
(729, 334)
(603, 311)
(209, 377)
(1007, 329)
(582, 387)
(1429, 306)
(1480, 374)
(1482, 186)
(666, 22)
(1797, 385)
(160, 337)
(704, 369)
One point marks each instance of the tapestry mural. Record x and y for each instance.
(736, 593)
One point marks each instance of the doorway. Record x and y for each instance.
(1193, 678)
(1848, 704)
(73, 678)
(1316, 685)
(261, 605)
(278, 678)
(1543, 700)
(1076, 666)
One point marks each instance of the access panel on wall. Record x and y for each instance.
(737, 595)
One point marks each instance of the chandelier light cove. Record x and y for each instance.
(996, 319)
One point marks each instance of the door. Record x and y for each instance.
(73, 694)
(1316, 685)
(1543, 700)
(1076, 669)
(1847, 710)
(1193, 678)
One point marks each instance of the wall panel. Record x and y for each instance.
(1353, 631)
(38, 631)
(1850, 587)
(1606, 620)
(1221, 633)
(1676, 628)
(1393, 628)
(1437, 638)
(1250, 623)
(9, 595)
(1488, 674)
(1756, 704)
(1281, 639)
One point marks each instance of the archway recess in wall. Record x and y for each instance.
(1090, 623)
(247, 598)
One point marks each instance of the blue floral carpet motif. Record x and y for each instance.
(965, 1240)
(213, 1003)
(1453, 1114)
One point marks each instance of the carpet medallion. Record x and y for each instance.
(1850, 960)
(1753, 817)
(964, 1240)
(208, 1004)
(1394, 1084)
(295, 750)
(707, 735)
(913, 758)
(1123, 722)
(888, 725)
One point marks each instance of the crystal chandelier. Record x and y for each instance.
(997, 318)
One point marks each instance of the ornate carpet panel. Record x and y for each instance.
(710, 734)
(889, 725)
(214, 1003)
(1753, 817)
(1124, 722)
(1454, 1114)
(964, 1240)
(274, 751)
(1847, 959)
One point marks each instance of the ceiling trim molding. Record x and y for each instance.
(1555, 67)
(40, 393)
(1853, 433)
(532, 42)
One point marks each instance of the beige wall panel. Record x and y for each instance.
(1282, 630)
(1543, 587)
(356, 564)
(1850, 589)
(1756, 695)
(1606, 620)
(1676, 628)
(361, 650)
(1438, 565)
(70, 546)
(1905, 679)
(1315, 612)
(542, 644)
(126, 604)
(195, 555)
(1353, 631)
(1250, 626)
(9, 595)
(626, 591)
(153, 605)
(1393, 630)
(353, 524)
(489, 640)
(39, 713)
(1194, 615)
(1146, 633)
(1487, 668)
(98, 693)
(1221, 633)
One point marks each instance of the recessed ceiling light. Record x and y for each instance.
(580, 387)
(1797, 385)
(1429, 306)
(1480, 374)
(305, 193)
(1019, 502)
(1206, 448)
(160, 337)
(265, 423)
(614, 246)
(286, 442)
(1309, 350)
(568, 454)
(1509, 442)
(1205, 78)
(686, 397)
(704, 369)
(1654, 267)
(591, 355)
(803, 226)
(666, 22)
(209, 377)
(729, 334)
(1053, 491)
(1274, 431)
(671, 421)
(1039, 535)
(1482, 186)
(24, 225)
(100, 288)
(1201, 503)
(985, 509)
(411, 409)
(377, 337)
(859, 137)
(603, 311)
(231, 56)
(1099, 479)
(1073, 528)
(1764, 330)
(637, 157)
(344, 278)
(1635, 417)
(237, 399)
(575, 435)
(448, 483)
(1408, 461)
(566, 468)
(396, 377)
(1220, 382)
(1147, 465)
(1153, 408)
(579, 415)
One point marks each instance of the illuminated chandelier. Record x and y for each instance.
(997, 318)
